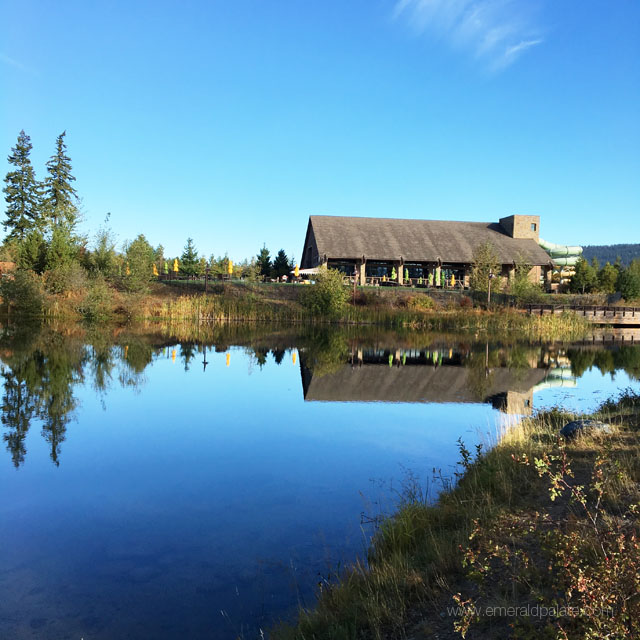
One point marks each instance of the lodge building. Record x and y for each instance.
(429, 252)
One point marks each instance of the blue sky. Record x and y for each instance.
(232, 122)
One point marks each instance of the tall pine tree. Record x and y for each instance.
(263, 260)
(189, 259)
(60, 198)
(23, 194)
(281, 264)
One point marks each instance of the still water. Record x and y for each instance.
(159, 487)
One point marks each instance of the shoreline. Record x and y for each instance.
(256, 303)
(537, 521)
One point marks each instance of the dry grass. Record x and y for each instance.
(415, 563)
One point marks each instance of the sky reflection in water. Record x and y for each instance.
(150, 496)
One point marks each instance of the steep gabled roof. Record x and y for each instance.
(418, 240)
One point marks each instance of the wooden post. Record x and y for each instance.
(355, 281)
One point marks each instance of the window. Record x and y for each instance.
(533, 226)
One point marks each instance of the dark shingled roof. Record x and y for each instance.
(418, 240)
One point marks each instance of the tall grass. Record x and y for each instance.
(415, 563)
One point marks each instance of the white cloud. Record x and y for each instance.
(495, 32)
(11, 62)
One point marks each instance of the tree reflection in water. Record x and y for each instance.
(41, 368)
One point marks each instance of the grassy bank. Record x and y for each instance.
(281, 303)
(245, 302)
(536, 521)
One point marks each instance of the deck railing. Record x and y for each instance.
(593, 313)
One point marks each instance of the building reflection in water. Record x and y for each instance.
(442, 375)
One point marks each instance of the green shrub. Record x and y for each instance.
(66, 278)
(420, 303)
(98, 302)
(328, 296)
(22, 293)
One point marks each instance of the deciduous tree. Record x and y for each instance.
(485, 262)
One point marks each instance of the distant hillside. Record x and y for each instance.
(610, 252)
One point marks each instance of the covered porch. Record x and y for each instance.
(401, 273)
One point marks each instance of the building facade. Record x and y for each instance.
(425, 252)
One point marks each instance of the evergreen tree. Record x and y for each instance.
(607, 278)
(103, 259)
(264, 262)
(23, 194)
(585, 278)
(32, 252)
(629, 281)
(62, 249)
(60, 198)
(281, 265)
(189, 259)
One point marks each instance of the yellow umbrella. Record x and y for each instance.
(296, 273)
(230, 268)
(453, 281)
(155, 270)
(173, 355)
(228, 358)
(175, 265)
(293, 357)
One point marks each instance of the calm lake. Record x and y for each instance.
(200, 483)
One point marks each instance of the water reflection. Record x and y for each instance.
(441, 375)
(40, 370)
(154, 479)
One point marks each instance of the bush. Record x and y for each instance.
(328, 296)
(68, 278)
(98, 302)
(22, 293)
(466, 302)
(420, 303)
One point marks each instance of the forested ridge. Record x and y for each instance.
(604, 253)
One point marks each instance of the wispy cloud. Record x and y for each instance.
(495, 32)
(5, 59)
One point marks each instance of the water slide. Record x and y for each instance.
(562, 254)
(559, 377)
